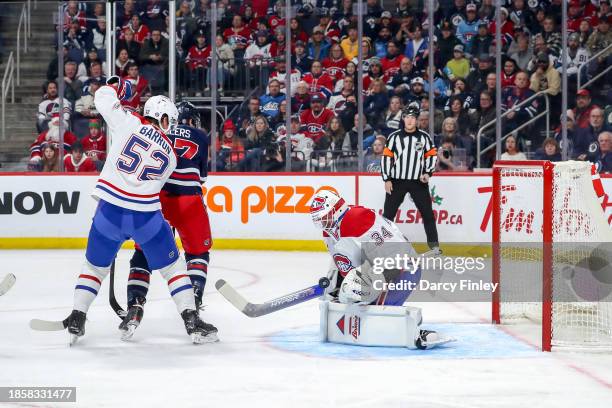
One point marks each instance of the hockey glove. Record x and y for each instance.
(123, 87)
(358, 287)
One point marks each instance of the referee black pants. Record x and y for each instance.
(422, 200)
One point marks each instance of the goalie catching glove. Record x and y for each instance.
(358, 287)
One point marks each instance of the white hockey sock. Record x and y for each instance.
(179, 285)
(87, 286)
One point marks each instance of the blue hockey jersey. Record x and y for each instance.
(191, 146)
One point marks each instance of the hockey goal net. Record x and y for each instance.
(551, 252)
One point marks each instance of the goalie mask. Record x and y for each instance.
(326, 209)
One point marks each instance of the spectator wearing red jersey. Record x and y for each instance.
(329, 27)
(51, 136)
(509, 72)
(140, 31)
(72, 13)
(319, 81)
(335, 63)
(584, 106)
(375, 71)
(94, 144)
(278, 45)
(230, 150)
(238, 36)
(315, 119)
(297, 32)
(77, 162)
(391, 62)
(574, 16)
(140, 86)
(198, 61)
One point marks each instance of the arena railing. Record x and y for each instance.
(12, 71)
(8, 83)
(588, 62)
(546, 113)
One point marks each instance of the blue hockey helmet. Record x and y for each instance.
(187, 111)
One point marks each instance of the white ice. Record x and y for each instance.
(267, 361)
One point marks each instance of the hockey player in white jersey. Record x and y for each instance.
(140, 160)
(354, 237)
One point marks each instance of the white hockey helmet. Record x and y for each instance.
(157, 106)
(326, 209)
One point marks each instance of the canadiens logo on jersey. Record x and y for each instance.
(314, 128)
(343, 263)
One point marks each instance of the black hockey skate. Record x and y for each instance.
(199, 331)
(429, 339)
(76, 325)
(132, 319)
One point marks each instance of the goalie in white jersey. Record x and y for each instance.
(355, 236)
(139, 162)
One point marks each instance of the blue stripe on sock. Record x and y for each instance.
(177, 290)
(92, 290)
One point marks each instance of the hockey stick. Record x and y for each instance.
(111, 294)
(7, 283)
(48, 325)
(271, 306)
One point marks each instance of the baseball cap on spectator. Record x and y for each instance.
(458, 48)
(317, 29)
(583, 92)
(94, 123)
(375, 61)
(471, 7)
(317, 98)
(483, 24)
(574, 37)
(386, 14)
(504, 10)
(417, 80)
(300, 43)
(229, 125)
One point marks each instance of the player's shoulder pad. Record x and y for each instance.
(357, 221)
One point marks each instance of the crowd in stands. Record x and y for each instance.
(324, 46)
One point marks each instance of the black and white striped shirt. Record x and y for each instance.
(407, 156)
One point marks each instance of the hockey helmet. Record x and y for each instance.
(187, 111)
(411, 110)
(157, 106)
(326, 209)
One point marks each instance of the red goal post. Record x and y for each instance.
(547, 216)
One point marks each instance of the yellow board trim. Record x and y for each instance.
(244, 244)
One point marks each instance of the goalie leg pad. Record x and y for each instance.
(404, 284)
(369, 325)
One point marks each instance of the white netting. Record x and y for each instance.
(582, 306)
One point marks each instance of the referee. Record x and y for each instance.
(408, 161)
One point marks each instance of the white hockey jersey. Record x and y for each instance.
(359, 226)
(140, 160)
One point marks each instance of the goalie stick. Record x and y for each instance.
(7, 283)
(271, 306)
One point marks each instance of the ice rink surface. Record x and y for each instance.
(275, 360)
